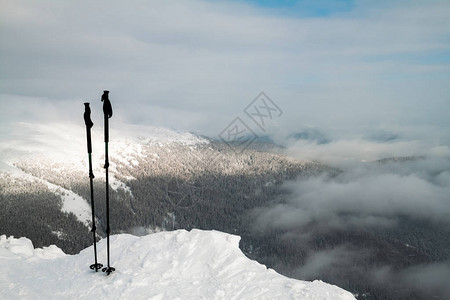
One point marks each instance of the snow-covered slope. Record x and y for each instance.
(166, 265)
(65, 146)
(67, 143)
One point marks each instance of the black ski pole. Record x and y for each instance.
(89, 124)
(107, 111)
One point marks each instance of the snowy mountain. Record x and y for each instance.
(159, 178)
(61, 150)
(43, 170)
(166, 265)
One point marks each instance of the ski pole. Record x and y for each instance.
(107, 111)
(89, 124)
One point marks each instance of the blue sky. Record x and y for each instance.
(304, 8)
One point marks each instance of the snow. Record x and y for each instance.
(165, 265)
(66, 142)
(75, 204)
(160, 136)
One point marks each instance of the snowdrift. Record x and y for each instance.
(166, 265)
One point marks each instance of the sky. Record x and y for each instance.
(347, 68)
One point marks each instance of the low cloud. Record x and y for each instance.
(379, 184)
(371, 194)
(433, 278)
(326, 261)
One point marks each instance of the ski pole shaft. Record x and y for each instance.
(89, 124)
(107, 111)
(96, 265)
(107, 188)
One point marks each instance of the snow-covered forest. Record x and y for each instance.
(158, 188)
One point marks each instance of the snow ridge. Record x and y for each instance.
(166, 265)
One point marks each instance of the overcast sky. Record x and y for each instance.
(348, 67)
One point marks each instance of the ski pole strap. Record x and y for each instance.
(106, 156)
(91, 173)
(89, 141)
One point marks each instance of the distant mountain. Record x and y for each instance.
(312, 135)
(399, 159)
(383, 136)
(166, 265)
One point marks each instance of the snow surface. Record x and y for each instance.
(67, 142)
(166, 265)
(74, 203)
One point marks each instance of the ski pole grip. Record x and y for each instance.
(87, 115)
(108, 112)
(89, 124)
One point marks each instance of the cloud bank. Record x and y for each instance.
(379, 196)
(367, 196)
(194, 65)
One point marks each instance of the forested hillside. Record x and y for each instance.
(29, 209)
(207, 186)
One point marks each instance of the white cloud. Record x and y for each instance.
(366, 196)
